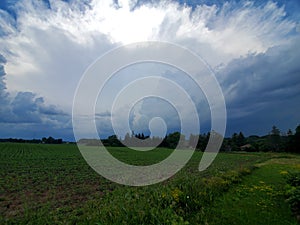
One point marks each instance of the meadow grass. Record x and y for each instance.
(258, 199)
(52, 184)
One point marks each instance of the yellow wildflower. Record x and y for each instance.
(176, 193)
(283, 172)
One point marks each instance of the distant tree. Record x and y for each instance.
(141, 136)
(155, 141)
(218, 138)
(274, 139)
(127, 139)
(294, 141)
(114, 141)
(289, 133)
(234, 142)
(193, 140)
(44, 140)
(202, 141)
(275, 131)
(173, 139)
(164, 143)
(226, 145)
(241, 140)
(297, 139)
(50, 140)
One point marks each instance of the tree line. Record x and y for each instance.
(44, 140)
(274, 141)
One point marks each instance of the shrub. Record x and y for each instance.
(293, 192)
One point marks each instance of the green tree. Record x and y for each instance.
(289, 133)
(202, 141)
(297, 139)
(241, 140)
(164, 143)
(114, 141)
(193, 140)
(127, 139)
(173, 140)
(294, 141)
(274, 139)
(275, 131)
(234, 143)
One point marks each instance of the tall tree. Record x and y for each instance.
(193, 140)
(234, 142)
(241, 140)
(274, 139)
(294, 142)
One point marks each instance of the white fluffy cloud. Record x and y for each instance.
(49, 46)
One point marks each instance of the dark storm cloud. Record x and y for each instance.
(26, 115)
(48, 46)
(264, 88)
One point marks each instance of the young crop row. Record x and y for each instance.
(53, 184)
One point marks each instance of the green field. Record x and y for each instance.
(52, 184)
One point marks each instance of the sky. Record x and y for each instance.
(252, 48)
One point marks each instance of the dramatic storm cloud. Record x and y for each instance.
(26, 115)
(264, 88)
(46, 46)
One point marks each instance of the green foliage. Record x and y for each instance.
(237, 140)
(273, 142)
(294, 141)
(52, 184)
(173, 139)
(293, 191)
(257, 199)
(293, 179)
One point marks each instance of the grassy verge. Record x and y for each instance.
(259, 199)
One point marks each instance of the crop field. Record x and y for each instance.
(52, 184)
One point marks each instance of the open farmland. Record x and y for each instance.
(52, 184)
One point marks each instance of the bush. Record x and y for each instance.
(293, 192)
